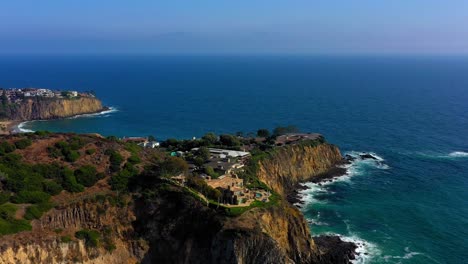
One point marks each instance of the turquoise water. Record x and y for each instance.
(410, 207)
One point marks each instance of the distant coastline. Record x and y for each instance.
(22, 105)
(13, 126)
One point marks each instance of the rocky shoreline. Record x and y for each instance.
(333, 248)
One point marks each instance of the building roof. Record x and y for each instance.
(228, 152)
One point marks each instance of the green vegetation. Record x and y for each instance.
(23, 143)
(4, 197)
(115, 160)
(200, 185)
(6, 147)
(87, 175)
(263, 133)
(210, 171)
(70, 183)
(66, 239)
(8, 223)
(94, 239)
(90, 151)
(278, 131)
(91, 237)
(236, 211)
(35, 211)
(173, 166)
(67, 150)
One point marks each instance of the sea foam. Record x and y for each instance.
(358, 166)
(458, 154)
(20, 128)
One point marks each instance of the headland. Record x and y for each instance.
(217, 199)
(27, 104)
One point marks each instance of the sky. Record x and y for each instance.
(241, 26)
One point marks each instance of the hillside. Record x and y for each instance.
(82, 198)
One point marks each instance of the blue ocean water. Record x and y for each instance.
(412, 112)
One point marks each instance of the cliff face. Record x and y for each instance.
(39, 109)
(44, 243)
(172, 226)
(181, 229)
(293, 164)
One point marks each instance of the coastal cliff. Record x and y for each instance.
(287, 166)
(40, 108)
(49, 241)
(181, 229)
(159, 221)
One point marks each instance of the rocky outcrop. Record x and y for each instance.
(168, 224)
(41, 108)
(181, 229)
(46, 243)
(287, 166)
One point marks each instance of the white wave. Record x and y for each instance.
(458, 154)
(20, 128)
(366, 251)
(357, 166)
(407, 255)
(103, 113)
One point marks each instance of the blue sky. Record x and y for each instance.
(241, 26)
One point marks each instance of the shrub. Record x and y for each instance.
(76, 143)
(42, 133)
(210, 171)
(13, 226)
(4, 197)
(119, 181)
(69, 182)
(115, 160)
(37, 210)
(134, 159)
(7, 211)
(229, 140)
(23, 143)
(51, 187)
(91, 237)
(72, 156)
(31, 197)
(173, 166)
(86, 175)
(66, 239)
(90, 151)
(6, 147)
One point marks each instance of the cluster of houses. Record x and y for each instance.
(293, 138)
(16, 95)
(142, 141)
(228, 163)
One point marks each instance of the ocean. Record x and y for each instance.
(410, 206)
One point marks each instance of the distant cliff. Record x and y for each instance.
(45, 108)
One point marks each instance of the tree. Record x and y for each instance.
(278, 131)
(151, 138)
(263, 133)
(173, 166)
(198, 161)
(229, 140)
(4, 98)
(86, 175)
(210, 138)
(203, 153)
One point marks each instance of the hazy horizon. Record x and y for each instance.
(241, 27)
